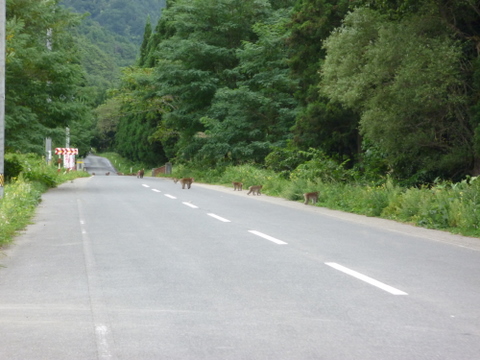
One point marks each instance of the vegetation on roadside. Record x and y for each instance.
(27, 177)
(123, 165)
(444, 205)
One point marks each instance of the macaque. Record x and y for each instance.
(119, 173)
(311, 196)
(237, 185)
(255, 190)
(107, 173)
(93, 173)
(175, 180)
(140, 173)
(186, 181)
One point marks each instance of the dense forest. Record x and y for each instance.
(60, 65)
(381, 86)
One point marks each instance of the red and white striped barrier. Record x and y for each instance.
(66, 151)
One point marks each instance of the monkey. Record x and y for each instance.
(311, 196)
(237, 185)
(175, 180)
(119, 173)
(186, 181)
(255, 190)
(140, 173)
(107, 173)
(93, 173)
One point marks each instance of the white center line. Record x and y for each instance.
(145, 185)
(367, 279)
(156, 190)
(170, 196)
(268, 237)
(191, 205)
(218, 218)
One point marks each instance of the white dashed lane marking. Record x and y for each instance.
(367, 279)
(219, 218)
(190, 205)
(268, 237)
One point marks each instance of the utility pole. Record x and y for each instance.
(2, 95)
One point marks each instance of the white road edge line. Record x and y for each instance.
(268, 237)
(103, 337)
(145, 185)
(219, 218)
(191, 205)
(156, 190)
(367, 279)
(170, 196)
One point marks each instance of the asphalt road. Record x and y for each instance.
(116, 267)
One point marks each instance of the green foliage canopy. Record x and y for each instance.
(320, 122)
(244, 123)
(404, 77)
(43, 77)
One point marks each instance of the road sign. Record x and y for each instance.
(66, 151)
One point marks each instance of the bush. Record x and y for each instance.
(323, 168)
(12, 166)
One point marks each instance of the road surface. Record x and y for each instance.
(116, 267)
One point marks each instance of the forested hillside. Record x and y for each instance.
(382, 86)
(379, 86)
(109, 37)
(122, 17)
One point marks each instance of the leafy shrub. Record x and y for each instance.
(12, 166)
(323, 168)
(284, 161)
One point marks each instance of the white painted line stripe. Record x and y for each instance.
(367, 279)
(170, 196)
(191, 205)
(156, 190)
(219, 218)
(268, 237)
(101, 332)
(145, 185)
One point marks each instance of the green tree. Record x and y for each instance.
(44, 78)
(147, 34)
(462, 18)
(404, 77)
(244, 123)
(320, 123)
(134, 112)
(197, 59)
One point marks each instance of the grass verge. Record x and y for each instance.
(29, 178)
